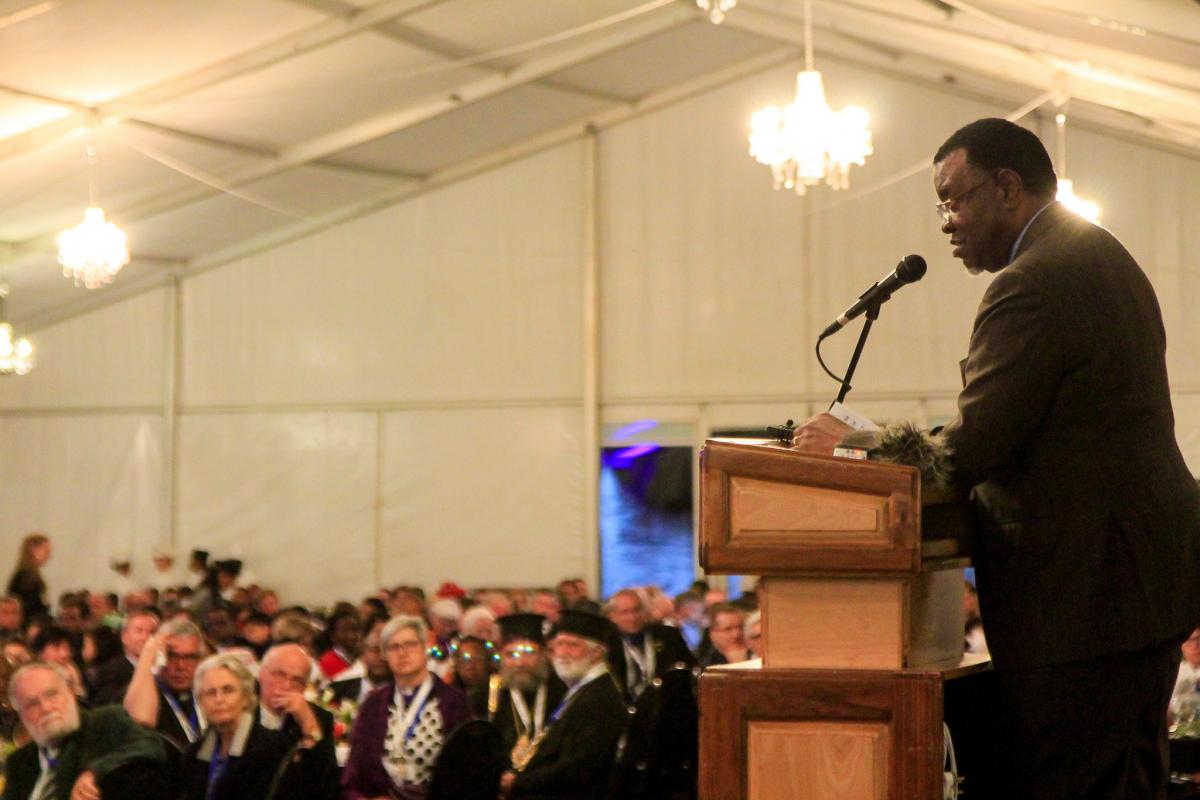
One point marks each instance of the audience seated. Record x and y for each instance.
(284, 678)
(400, 729)
(526, 691)
(644, 650)
(111, 677)
(392, 713)
(11, 617)
(79, 752)
(365, 675)
(728, 636)
(345, 638)
(160, 694)
(575, 756)
(238, 758)
(471, 667)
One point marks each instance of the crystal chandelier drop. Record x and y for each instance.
(716, 9)
(16, 357)
(1066, 189)
(93, 251)
(806, 141)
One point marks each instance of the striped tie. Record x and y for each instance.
(50, 787)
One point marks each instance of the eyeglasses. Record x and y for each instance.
(944, 207)
(518, 652)
(395, 647)
(298, 682)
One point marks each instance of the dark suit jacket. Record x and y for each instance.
(670, 652)
(127, 761)
(314, 773)
(111, 680)
(168, 724)
(576, 758)
(249, 774)
(1089, 523)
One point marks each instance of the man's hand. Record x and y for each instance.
(155, 645)
(506, 782)
(85, 787)
(819, 434)
(295, 706)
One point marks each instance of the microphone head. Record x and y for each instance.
(911, 269)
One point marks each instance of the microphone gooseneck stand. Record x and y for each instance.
(872, 314)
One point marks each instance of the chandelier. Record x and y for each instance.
(93, 251)
(806, 141)
(716, 9)
(15, 356)
(1066, 189)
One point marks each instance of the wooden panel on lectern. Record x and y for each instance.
(771, 510)
(878, 732)
(827, 760)
(862, 623)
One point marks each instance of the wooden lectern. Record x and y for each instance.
(862, 624)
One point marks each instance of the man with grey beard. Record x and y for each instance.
(522, 695)
(573, 758)
(81, 755)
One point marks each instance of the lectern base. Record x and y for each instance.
(781, 734)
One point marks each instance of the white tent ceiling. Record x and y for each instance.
(227, 125)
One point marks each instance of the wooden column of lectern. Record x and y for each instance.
(862, 624)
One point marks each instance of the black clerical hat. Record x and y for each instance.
(586, 625)
(522, 626)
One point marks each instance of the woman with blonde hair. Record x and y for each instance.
(26, 583)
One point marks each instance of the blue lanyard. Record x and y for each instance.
(191, 716)
(216, 768)
(412, 726)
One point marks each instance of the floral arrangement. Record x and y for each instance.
(343, 711)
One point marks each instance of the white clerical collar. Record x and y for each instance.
(269, 719)
(1012, 254)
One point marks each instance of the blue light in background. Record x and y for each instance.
(623, 458)
(633, 429)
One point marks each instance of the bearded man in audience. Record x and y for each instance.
(526, 691)
(647, 650)
(92, 755)
(164, 701)
(574, 758)
(283, 678)
(113, 676)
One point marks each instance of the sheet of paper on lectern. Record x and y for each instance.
(852, 418)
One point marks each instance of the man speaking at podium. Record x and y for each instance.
(1087, 540)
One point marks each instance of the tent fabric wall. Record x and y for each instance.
(399, 398)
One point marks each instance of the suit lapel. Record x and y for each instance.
(68, 761)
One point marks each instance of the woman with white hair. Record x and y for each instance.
(400, 728)
(236, 758)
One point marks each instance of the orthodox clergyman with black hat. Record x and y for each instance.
(573, 758)
(523, 694)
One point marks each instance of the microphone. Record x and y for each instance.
(910, 270)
